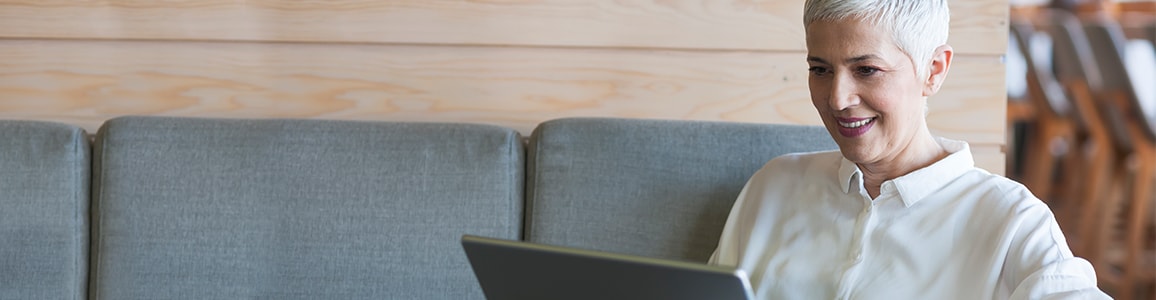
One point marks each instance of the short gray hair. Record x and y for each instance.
(917, 27)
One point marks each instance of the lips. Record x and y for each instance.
(853, 127)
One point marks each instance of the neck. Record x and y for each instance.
(921, 152)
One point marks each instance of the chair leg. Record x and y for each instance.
(1093, 198)
(1100, 227)
(1039, 164)
(1138, 219)
(1073, 165)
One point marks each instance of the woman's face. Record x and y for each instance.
(865, 89)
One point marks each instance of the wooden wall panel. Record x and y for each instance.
(86, 82)
(989, 157)
(978, 26)
(509, 63)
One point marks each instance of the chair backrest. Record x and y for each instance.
(647, 187)
(1108, 43)
(1071, 58)
(1141, 57)
(1074, 63)
(44, 198)
(1151, 28)
(298, 209)
(1041, 85)
(1016, 64)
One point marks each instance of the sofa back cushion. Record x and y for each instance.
(647, 187)
(44, 180)
(298, 209)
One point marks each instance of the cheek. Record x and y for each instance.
(897, 100)
(818, 93)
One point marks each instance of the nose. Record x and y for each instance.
(843, 93)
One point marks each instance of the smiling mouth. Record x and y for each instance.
(856, 124)
(852, 128)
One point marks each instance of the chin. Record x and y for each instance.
(854, 149)
(853, 157)
(855, 153)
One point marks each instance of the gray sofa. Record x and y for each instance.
(182, 208)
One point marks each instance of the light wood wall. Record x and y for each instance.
(513, 63)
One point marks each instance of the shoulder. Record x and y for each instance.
(1001, 202)
(990, 194)
(1022, 230)
(998, 190)
(791, 170)
(792, 163)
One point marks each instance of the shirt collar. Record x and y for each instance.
(849, 176)
(919, 183)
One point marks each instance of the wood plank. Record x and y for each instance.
(1137, 6)
(990, 157)
(978, 27)
(87, 82)
(974, 97)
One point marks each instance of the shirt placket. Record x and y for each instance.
(858, 249)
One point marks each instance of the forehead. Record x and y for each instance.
(841, 39)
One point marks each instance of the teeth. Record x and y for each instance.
(856, 124)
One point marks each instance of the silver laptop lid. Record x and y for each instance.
(512, 270)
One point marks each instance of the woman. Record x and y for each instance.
(896, 213)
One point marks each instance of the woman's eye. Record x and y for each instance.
(866, 71)
(818, 70)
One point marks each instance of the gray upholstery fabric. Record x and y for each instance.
(44, 177)
(647, 187)
(298, 209)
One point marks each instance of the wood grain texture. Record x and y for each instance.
(990, 158)
(87, 82)
(978, 26)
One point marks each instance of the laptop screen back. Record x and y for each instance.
(511, 270)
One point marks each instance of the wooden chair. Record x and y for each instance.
(1052, 131)
(1133, 270)
(1087, 172)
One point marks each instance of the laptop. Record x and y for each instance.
(513, 270)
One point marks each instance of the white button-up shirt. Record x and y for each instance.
(805, 228)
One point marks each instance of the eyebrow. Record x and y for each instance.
(849, 60)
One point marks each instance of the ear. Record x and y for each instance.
(937, 73)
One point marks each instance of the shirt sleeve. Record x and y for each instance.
(1042, 267)
(1070, 278)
